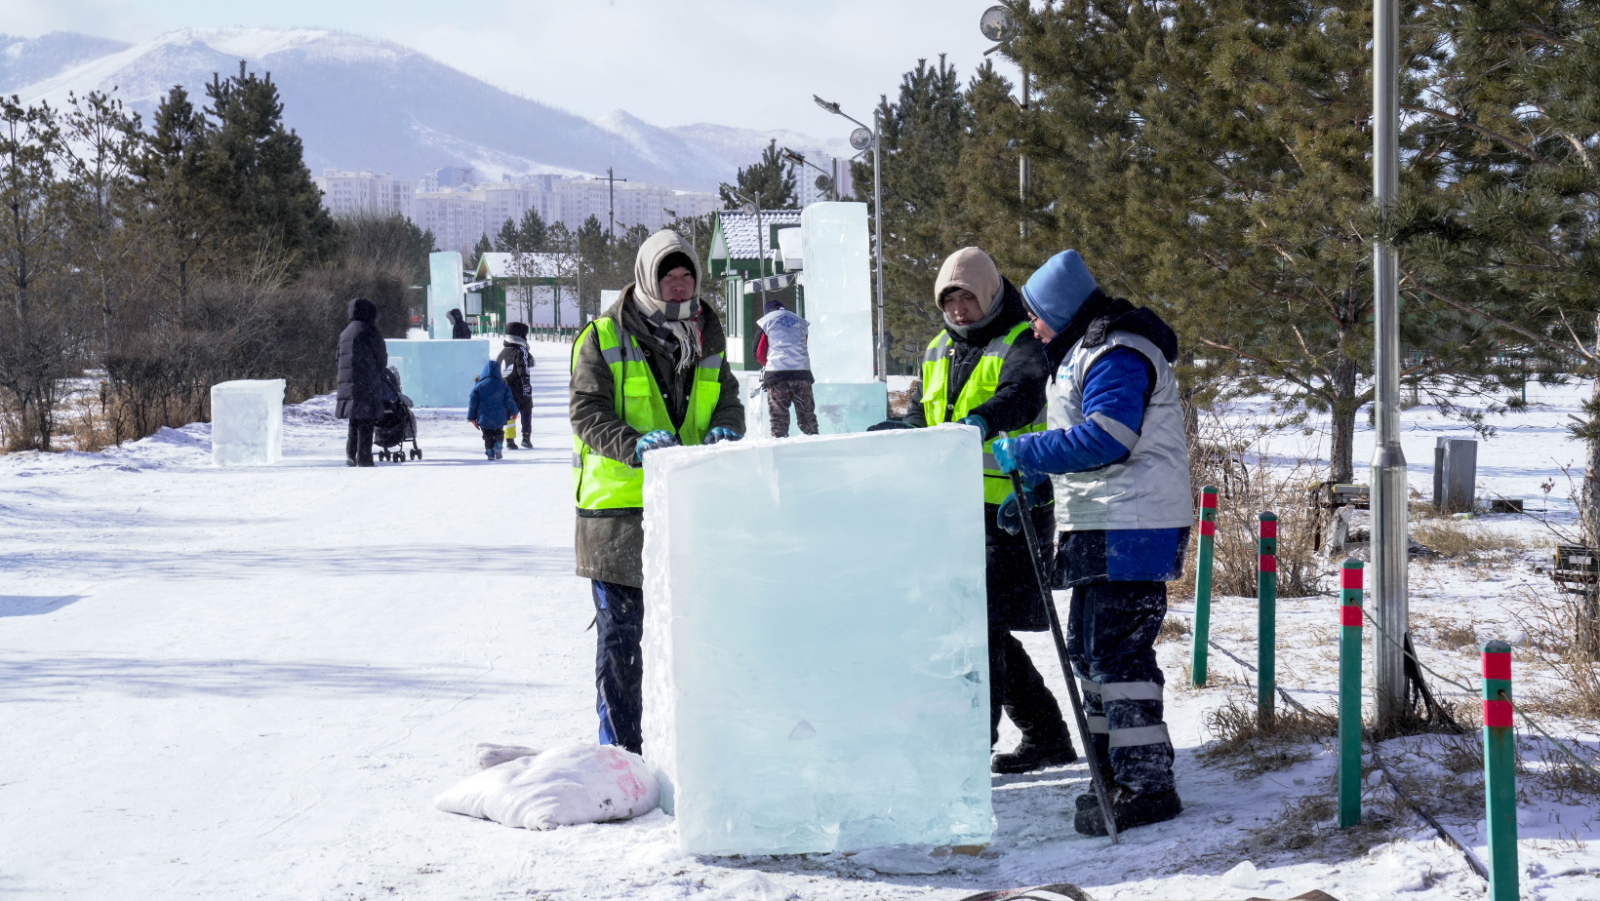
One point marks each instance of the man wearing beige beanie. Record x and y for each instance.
(986, 369)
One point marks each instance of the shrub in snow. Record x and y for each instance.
(565, 786)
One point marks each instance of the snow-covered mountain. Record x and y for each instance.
(359, 103)
(741, 146)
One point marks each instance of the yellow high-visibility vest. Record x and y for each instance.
(601, 483)
(980, 386)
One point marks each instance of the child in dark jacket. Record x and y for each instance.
(490, 407)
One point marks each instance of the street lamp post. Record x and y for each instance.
(861, 139)
(754, 207)
(1389, 545)
(833, 184)
(998, 25)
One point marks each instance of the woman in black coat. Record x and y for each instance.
(362, 359)
(458, 325)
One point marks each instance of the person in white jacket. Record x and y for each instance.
(786, 369)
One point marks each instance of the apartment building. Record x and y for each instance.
(456, 216)
(354, 193)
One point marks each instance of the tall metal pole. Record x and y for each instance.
(1388, 460)
(877, 219)
(1022, 161)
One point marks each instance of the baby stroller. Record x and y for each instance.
(397, 425)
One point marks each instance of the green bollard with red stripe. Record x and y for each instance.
(1267, 621)
(1203, 565)
(1499, 771)
(1350, 694)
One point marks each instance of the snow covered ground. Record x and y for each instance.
(251, 683)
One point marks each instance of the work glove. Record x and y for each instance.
(653, 440)
(721, 433)
(888, 424)
(1004, 451)
(1009, 517)
(978, 423)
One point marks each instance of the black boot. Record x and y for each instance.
(1130, 809)
(1029, 756)
(526, 444)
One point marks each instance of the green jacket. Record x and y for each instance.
(610, 546)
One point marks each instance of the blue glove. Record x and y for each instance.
(655, 439)
(1005, 454)
(721, 433)
(889, 424)
(1010, 516)
(977, 422)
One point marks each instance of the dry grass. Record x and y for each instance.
(1232, 457)
(1468, 542)
(1241, 744)
(1174, 628)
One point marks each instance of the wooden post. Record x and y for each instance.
(1350, 694)
(1499, 771)
(1267, 620)
(1203, 564)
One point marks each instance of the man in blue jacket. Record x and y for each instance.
(1116, 453)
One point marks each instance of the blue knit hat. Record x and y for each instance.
(1056, 291)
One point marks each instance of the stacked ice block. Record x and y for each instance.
(815, 642)
(438, 373)
(247, 422)
(446, 291)
(839, 305)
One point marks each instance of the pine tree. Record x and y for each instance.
(532, 231)
(508, 239)
(1212, 160)
(768, 181)
(257, 166)
(180, 208)
(482, 247)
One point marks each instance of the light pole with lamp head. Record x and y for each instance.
(861, 139)
(825, 181)
(998, 25)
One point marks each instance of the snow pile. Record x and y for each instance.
(565, 786)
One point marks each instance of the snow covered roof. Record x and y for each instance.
(533, 265)
(739, 239)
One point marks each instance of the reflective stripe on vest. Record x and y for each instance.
(601, 483)
(937, 407)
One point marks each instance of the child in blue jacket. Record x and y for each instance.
(490, 407)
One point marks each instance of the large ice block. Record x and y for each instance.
(815, 642)
(841, 408)
(838, 261)
(247, 422)
(446, 291)
(437, 373)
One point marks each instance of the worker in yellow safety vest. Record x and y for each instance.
(648, 373)
(986, 369)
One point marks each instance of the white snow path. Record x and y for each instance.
(251, 683)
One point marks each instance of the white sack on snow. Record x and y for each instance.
(488, 755)
(565, 786)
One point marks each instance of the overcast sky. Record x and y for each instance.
(749, 63)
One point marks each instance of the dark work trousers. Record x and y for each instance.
(618, 663)
(525, 408)
(1016, 686)
(1111, 636)
(358, 446)
(791, 392)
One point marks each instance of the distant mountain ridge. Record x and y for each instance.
(359, 103)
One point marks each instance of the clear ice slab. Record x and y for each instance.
(247, 422)
(437, 373)
(839, 305)
(815, 642)
(842, 408)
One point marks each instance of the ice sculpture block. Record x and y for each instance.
(841, 408)
(437, 373)
(247, 422)
(815, 642)
(838, 291)
(446, 292)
